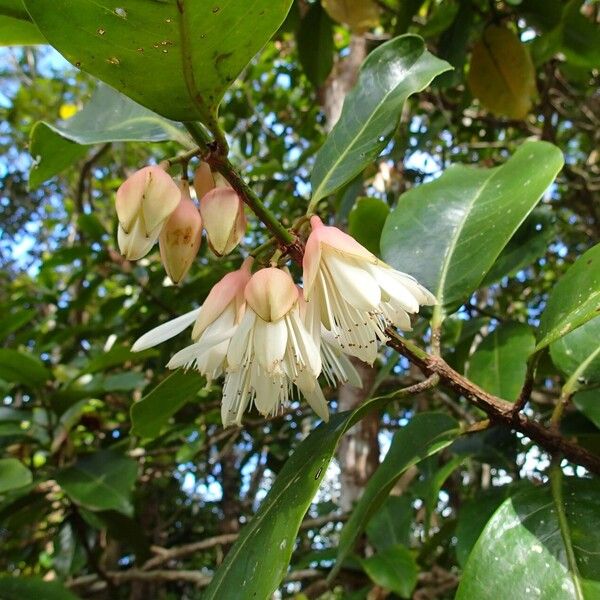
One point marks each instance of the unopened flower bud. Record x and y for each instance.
(144, 202)
(204, 180)
(180, 238)
(224, 220)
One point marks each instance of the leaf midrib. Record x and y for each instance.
(344, 153)
(454, 240)
(557, 498)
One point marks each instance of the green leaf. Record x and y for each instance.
(108, 117)
(448, 233)
(500, 362)
(574, 300)
(541, 543)
(15, 321)
(366, 220)
(580, 37)
(588, 402)
(15, 9)
(389, 75)
(22, 588)
(17, 32)
(315, 44)
(577, 354)
(51, 154)
(425, 434)
(152, 412)
(23, 368)
(278, 519)
(13, 474)
(472, 518)
(529, 243)
(390, 525)
(176, 58)
(394, 569)
(101, 481)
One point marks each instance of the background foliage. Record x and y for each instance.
(116, 477)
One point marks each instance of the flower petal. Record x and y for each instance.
(165, 331)
(270, 341)
(355, 285)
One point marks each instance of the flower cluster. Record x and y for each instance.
(152, 206)
(270, 337)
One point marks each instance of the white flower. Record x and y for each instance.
(215, 324)
(357, 294)
(271, 351)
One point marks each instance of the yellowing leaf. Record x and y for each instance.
(501, 74)
(359, 15)
(66, 111)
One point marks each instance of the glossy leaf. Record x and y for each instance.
(278, 519)
(577, 354)
(394, 569)
(366, 220)
(500, 362)
(501, 73)
(51, 154)
(18, 32)
(473, 517)
(529, 243)
(108, 117)
(541, 543)
(425, 434)
(574, 300)
(101, 481)
(22, 588)
(173, 57)
(315, 44)
(154, 410)
(23, 368)
(13, 474)
(466, 217)
(389, 75)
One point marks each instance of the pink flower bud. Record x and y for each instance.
(180, 238)
(204, 180)
(224, 220)
(144, 202)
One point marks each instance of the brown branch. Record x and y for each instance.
(499, 410)
(165, 555)
(195, 577)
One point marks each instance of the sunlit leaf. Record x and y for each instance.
(449, 232)
(174, 58)
(391, 73)
(541, 543)
(574, 300)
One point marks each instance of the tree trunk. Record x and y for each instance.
(358, 454)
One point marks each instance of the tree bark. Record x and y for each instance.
(358, 453)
